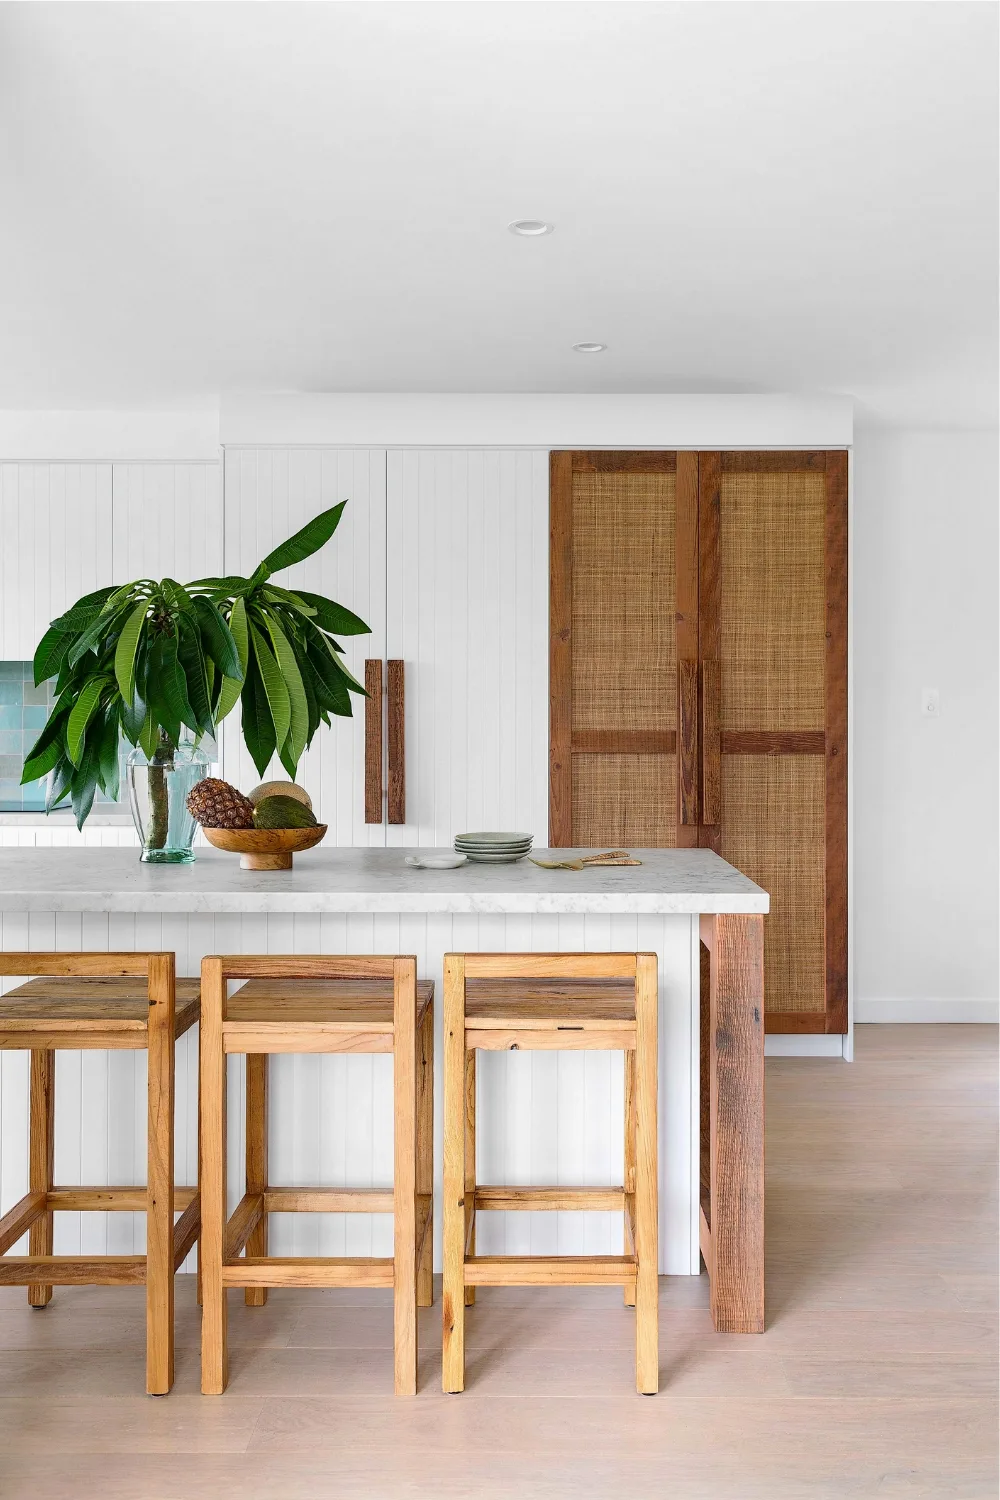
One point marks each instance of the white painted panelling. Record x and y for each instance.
(55, 536)
(467, 610)
(269, 494)
(546, 1118)
(167, 521)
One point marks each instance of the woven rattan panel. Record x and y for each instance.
(624, 656)
(772, 600)
(773, 816)
(625, 800)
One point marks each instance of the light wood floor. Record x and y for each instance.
(876, 1376)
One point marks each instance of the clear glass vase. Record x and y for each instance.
(157, 792)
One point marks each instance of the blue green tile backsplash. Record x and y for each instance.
(23, 711)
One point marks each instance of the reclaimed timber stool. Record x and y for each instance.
(102, 1002)
(314, 1004)
(550, 1001)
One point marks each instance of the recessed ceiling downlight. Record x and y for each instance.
(530, 228)
(590, 348)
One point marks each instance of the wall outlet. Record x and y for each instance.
(930, 703)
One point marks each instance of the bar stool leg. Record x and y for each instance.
(256, 1141)
(470, 1165)
(214, 1362)
(453, 1299)
(41, 1158)
(404, 1273)
(647, 1287)
(629, 1179)
(160, 1178)
(425, 1155)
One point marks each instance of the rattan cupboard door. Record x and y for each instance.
(624, 634)
(773, 645)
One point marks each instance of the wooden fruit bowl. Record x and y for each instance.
(265, 848)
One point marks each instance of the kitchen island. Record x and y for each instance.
(551, 1118)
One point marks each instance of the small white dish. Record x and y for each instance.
(435, 861)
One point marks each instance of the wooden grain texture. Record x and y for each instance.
(624, 742)
(405, 1177)
(75, 965)
(160, 1177)
(286, 1200)
(73, 1270)
(453, 1191)
(470, 1150)
(733, 462)
(736, 1120)
(41, 1158)
(550, 966)
(687, 742)
(212, 1088)
(773, 741)
(560, 650)
(396, 739)
(265, 848)
(240, 1226)
(647, 1376)
(20, 1217)
(549, 1270)
(628, 1090)
(565, 1199)
(835, 692)
(256, 1161)
(316, 1272)
(374, 811)
(425, 1154)
(625, 461)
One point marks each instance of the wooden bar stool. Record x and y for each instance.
(550, 1001)
(102, 1002)
(315, 1004)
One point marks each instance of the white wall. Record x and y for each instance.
(925, 791)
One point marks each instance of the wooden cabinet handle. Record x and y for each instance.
(373, 741)
(711, 743)
(687, 741)
(397, 742)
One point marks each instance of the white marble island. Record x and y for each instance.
(546, 1117)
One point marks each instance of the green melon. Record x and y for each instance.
(283, 812)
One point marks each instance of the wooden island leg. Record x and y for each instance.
(214, 1354)
(256, 1157)
(453, 1283)
(41, 1157)
(734, 1232)
(160, 1043)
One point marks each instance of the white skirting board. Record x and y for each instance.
(544, 1117)
(783, 1044)
(928, 1012)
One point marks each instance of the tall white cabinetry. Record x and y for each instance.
(445, 554)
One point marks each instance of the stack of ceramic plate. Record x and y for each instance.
(493, 848)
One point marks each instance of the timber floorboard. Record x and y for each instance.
(876, 1376)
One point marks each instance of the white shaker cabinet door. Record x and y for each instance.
(55, 545)
(467, 612)
(270, 493)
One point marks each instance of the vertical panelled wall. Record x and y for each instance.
(467, 610)
(269, 494)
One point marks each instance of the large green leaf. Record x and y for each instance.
(217, 638)
(334, 617)
(41, 764)
(50, 651)
(53, 733)
(128, 645)
(59, 783)
(331, 690)
(192, 662)
(149, 735)
(315, 534)
(106, 624)
(107, 754)
(85, 609)
(81, 715)
(274, 686)
(298, 727)
(233, 686)
(84, 783)
(258, 726)
(166, 688)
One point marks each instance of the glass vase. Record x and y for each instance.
(158, 790)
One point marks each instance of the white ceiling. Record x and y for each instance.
(747, 197)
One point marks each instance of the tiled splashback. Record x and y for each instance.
(23, 711)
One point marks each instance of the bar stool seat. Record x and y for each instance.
(557, 1002)
(102, 1002)
(315, 1005)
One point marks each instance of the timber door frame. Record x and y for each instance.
(699, 741)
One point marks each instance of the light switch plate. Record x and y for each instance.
(930, 703)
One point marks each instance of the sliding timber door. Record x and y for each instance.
(699, 684)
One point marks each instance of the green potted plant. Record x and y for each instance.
(163, 663)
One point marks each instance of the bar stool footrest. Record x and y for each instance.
(554, 1270)
(308, 1271)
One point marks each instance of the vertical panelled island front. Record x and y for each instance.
(550, 1118)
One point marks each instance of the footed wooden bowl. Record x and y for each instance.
(265, 848)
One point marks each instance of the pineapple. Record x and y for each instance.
(216, 804)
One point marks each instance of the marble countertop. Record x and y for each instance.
(370, 880)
